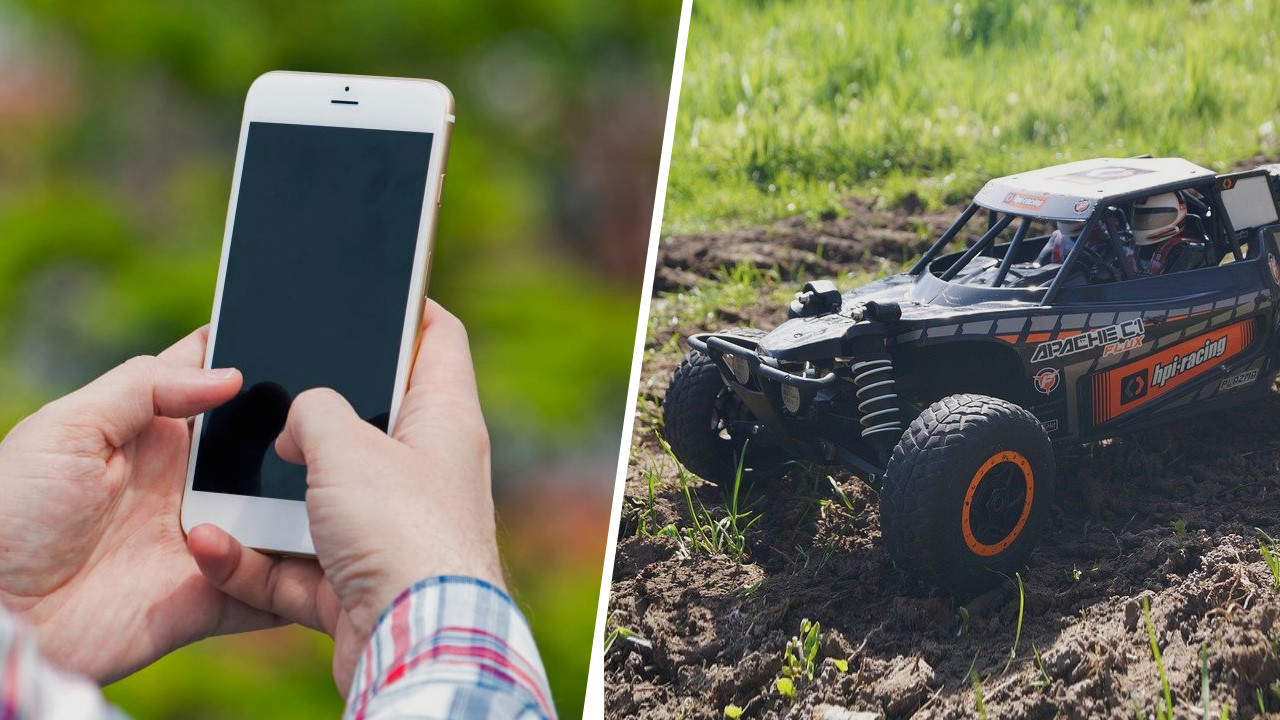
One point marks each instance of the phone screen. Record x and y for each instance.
(315, 290)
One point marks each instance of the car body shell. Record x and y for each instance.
(1090, 361)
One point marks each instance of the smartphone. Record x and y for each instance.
(322, 280)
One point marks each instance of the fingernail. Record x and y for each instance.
(221, 373)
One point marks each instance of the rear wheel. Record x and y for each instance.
(698, 416)
(966, 493)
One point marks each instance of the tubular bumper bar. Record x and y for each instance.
(703, 342)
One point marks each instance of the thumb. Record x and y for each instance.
(320, 420)
(123, 402)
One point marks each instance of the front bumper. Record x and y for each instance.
(811, 425)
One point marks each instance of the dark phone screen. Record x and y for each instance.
(316, 286)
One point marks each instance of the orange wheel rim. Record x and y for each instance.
(1019, 461)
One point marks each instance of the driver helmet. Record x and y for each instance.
(1070, 228)
(1158, 218)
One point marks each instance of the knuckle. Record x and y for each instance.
(140, 363)
(316, 399)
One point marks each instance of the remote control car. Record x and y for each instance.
(1065, 305)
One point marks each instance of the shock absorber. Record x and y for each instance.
(877, 397)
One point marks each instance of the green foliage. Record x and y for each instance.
(979, 702)
(1163, 712)
(707, 534)
(642, 510)
(733, 712)
(789, 106)
(800, 656)
(622, 633)
(1179, 527)
(1017, 634)
(1045, 682)
(733, 288)
(962, 620)
(786, 686)
(1271, 555)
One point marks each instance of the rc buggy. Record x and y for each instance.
(1065, 305)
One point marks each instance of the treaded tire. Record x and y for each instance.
(962, 450)
(689, 414)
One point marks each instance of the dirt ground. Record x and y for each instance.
(1168, 515)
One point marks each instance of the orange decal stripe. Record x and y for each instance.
(1110, 402)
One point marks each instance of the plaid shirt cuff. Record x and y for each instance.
(31, 689)
(451, 647)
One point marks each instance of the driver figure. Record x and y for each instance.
(1156, 232)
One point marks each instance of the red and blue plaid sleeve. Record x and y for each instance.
(31, 689)
(451, 647)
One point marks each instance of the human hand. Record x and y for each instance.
(385, 512)
(91, 550)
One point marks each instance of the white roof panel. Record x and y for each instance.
(1069, 192)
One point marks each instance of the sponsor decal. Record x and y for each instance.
(1134, 387)
(1240, 380)
(1099, 175)
(1099, 338)
(1121, 347)
(1124, 388)
(1026, 200)
(1081, 205)
(1214, 347)
(1275, 268)
(1050, 426)
(1046, 381)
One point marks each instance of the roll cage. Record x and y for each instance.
(1206, 217)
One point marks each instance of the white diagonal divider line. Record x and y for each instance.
(593, 703)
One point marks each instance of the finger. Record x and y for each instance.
(123, 402)
(289, 588)
(443, 378)
(319, 420)
(190, 350)
(443, 362)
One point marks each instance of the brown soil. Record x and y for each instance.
(1168, 515)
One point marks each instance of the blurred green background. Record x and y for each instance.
(788, 107)
(118, 123)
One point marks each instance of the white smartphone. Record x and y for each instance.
(322, 281)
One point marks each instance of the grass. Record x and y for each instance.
(1017, 635)
(789, 106)
(1271, 554)
(708, 534)
(1045, 682)
(979, 703)
(642, 510)
(737, 286)
(623, 633)
(1165, 712)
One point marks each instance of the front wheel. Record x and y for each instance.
(966, 493)
(697, 417)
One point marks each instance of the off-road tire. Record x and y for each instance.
(687, 420)
(931, 500)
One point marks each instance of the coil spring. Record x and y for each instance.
(878, 403)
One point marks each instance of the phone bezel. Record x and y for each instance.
(271, 524)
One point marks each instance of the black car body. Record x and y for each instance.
(839, 381)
